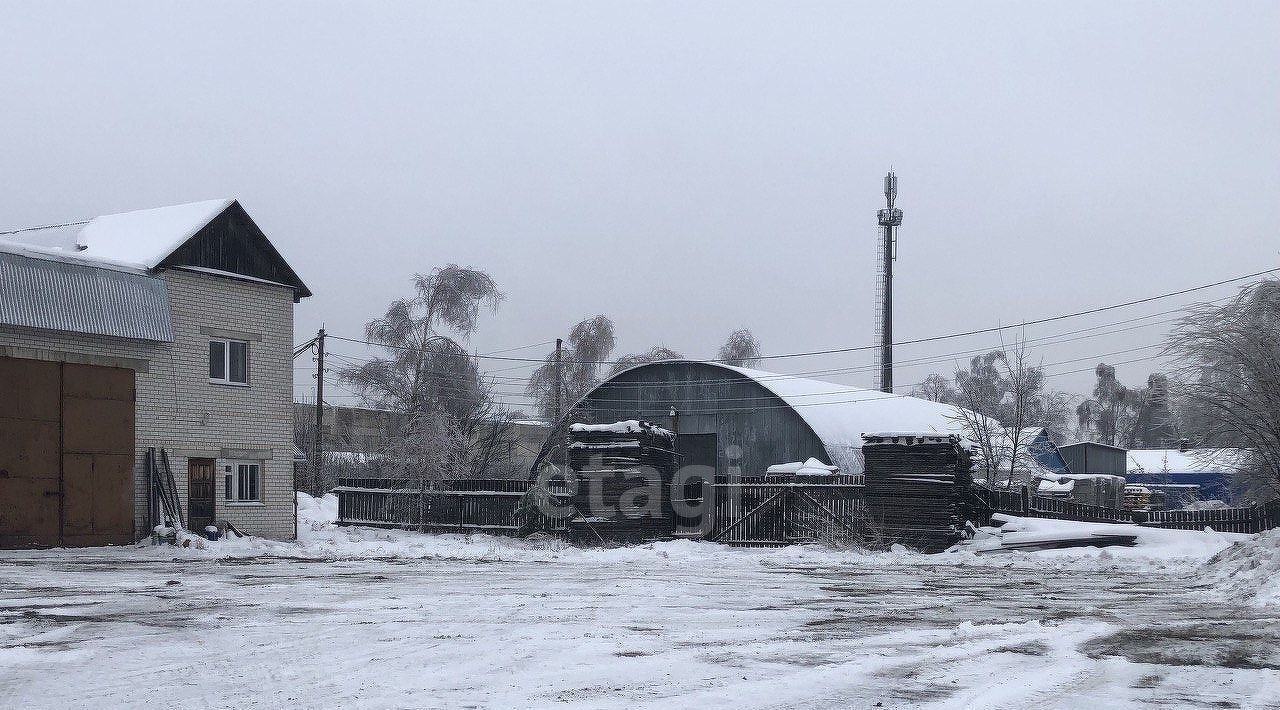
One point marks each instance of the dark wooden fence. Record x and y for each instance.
(1253, 519)
(465, 506)
(753, 511)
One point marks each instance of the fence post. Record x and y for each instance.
(1026, 499)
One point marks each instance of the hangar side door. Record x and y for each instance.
(696, 450)
(30, 430)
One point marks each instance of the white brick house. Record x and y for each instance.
(193, 306)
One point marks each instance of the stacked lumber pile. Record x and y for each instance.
(624, 472)
(915, 488)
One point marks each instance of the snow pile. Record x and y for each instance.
(316, 514)
(1249, 571)
(1149, 543)
(810, 467)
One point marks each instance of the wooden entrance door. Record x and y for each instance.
(200, 493)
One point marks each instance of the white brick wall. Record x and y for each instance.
(180, 410)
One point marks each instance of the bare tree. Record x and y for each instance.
(740, 350)
(1229, 368)
(429, 377)
(1024, 383)
(936, 388)
(980, 392)
(656, 353)
(1001, 397)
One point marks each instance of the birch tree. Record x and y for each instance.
(740, 350)
(656, 353)
(451, 425)
(589, 344)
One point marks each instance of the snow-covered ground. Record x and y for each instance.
(349, 617)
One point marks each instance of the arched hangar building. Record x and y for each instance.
(737, 419)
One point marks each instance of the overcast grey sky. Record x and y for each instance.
(684, 168)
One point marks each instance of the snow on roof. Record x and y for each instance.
(841, 414)
(1190, 461)
(142, 238)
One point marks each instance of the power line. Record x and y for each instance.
(929, 339)
(662, 410)
(1049, 340)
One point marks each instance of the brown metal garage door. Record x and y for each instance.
(66, 454)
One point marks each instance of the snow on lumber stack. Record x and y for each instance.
(630, 426)
(624, 472)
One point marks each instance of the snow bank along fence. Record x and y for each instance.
(462, 505)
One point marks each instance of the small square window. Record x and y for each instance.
(229, 362)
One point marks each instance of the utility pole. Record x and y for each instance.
(559, 386)
(889, 218)
(557, 410)
(317, 466)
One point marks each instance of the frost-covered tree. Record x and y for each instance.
(935, 388)
(588, 346)
(740, 350)
(1229, 366)
(656, 353)
(980, 394)
(427, 375)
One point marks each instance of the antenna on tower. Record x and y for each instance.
(889, 219)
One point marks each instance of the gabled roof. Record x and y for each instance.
(142, 238)
(164, 237)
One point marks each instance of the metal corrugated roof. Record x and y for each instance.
(79, 298)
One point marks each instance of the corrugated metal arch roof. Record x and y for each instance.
(839, 414)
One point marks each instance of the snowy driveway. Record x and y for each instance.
(672, 625)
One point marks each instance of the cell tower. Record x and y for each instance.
(887, 253)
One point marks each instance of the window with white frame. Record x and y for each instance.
(229, 362)
(242, 481)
